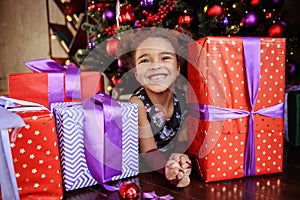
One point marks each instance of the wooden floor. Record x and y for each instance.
(284, 186)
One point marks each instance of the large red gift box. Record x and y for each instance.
(36, 87)
(236, 103)
(35, 155)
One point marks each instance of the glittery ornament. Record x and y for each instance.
(126, 14)
(129, 191)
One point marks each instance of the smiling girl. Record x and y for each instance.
(153, 55)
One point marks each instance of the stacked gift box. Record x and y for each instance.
(50, 82)
(236, 104)
(34, 150)
(53, 138)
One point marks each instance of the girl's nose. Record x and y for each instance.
(155, 66)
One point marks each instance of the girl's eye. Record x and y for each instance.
(144, 60)
(166, 58)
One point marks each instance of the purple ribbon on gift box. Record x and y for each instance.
(55, 78)
(251, 46)
(103, 138)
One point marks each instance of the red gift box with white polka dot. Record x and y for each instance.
(36, 157)
(218, 81)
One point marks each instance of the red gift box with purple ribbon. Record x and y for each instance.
(52, 82)
(29, 154)
(236, 102)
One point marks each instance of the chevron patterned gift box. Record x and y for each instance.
(69, 124)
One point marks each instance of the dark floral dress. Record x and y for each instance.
(164, 130)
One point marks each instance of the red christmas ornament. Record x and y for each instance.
(254, 2)
(276, 30)
(91, 7)
(215, 10)
(126, 14)
(100, 7)
(185, 20)
(129, 191)
(111, 46)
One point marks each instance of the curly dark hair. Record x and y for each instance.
(130, 40)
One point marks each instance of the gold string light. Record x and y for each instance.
(67, 62)
(69, 18)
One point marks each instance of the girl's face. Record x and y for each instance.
(156, 64)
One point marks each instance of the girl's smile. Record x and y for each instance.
(157, 77)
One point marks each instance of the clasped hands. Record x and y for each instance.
(178, 169)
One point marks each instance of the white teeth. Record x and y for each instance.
(157, 77)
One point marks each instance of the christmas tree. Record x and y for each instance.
(202, 18)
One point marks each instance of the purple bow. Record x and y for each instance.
(206, 112)
(103, 138)
(153, 196)
(55, 78)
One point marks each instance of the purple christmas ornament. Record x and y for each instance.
(121, 66)
(250, 20)
(109, 17)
